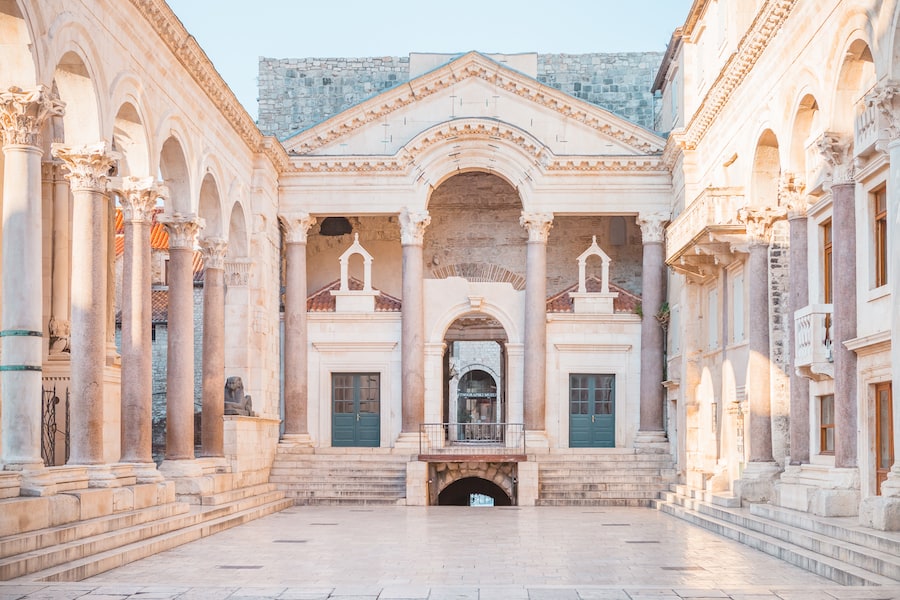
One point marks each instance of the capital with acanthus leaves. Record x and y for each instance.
(89, 165)
(296, 226)
(412, 226)
(759, 221)
(538, 225)
(652, 227)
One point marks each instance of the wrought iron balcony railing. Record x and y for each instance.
(470, 439)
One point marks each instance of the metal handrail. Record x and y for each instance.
(471, 438)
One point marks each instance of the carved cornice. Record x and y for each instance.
(759, 221)
(886, 99)
(652, 226)
(296, 226)
(89, 165)
(768, 22)
(213, 250)
(138, 196)
(182, 230)
(412, 226)
(837, 150)
(468, 66)
(537, 225)
(23, 112)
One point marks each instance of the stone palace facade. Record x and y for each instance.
(470, 280)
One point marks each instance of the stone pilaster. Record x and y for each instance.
(756, 483)
(138, 197)
(182, 231)
(212, 432)
(59, 327)
(795, 201)
(653, 295)
(538, 226)
(296, 368)
(412, 336)
(89, 167)
(22, 114)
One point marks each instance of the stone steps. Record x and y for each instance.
(837, 549)
(86, 548)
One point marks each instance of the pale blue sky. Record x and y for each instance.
(235, 33)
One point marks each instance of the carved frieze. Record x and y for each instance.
(213, 250)
(296, 226)
(412, 226)
(89, 165)
(138, 196)
(537, 225)
(23, 112)
(237, 273)
(182, 230)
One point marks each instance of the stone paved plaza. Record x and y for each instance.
(461, 553)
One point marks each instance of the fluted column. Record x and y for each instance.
(22, 114)
(138, 197)
(59, 325)
(296, 368)
(412, 336)
(653, 295)
(182, 231)
(212, 432)
(89, 166)
(538, 226)
(795, 202)
(837, 152)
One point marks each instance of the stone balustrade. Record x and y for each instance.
(714, 213)
(812, 342)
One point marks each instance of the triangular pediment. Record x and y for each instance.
(491, 99)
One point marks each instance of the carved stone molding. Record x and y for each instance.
(182, 230)
(759, 221)
(138, 196)
(89, 165)
(296, 226)
(52, 171)
(538, 225)
(652, 226)
(23, 112)
(237, 273)
(412, 226)
(213, 250)
(837, 150)
(60, 332)
(792, 196)
(886, 99)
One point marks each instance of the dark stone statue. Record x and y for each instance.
(236, 403)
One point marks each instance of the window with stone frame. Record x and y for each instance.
(827, 259)
(826, 424)
(879, 200)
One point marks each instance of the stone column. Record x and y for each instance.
(182, 231)
(296, 368)
(22, 114)
(538, 226)
(756, 484)
(59, 325)
(795, 202)
(88, 166)
(412, 335)
(212, 430)
(138, 197)
(837, 152)
(653, 295)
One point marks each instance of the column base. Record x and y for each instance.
(407, 441)
(111, 476)
(536, 440)
(188, 477)
(145, 472)
(757, 482)
(820, 490)
(651, 442)
(297, 440)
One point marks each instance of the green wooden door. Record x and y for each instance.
(592, 403)
(356, 409)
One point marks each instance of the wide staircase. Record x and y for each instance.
(836, 548)
(337, 476)
(609, 477)
(80, 533)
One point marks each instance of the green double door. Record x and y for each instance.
(356, 409)
(592, 411)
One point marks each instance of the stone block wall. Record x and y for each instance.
(296, 93)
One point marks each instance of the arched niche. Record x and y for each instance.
(237, 233)
(210, 207)
(130, 139)
(855, 78)
(766, 170)
(174, 173)
(807, 126)
(73, 81)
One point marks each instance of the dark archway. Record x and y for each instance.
(459, 493)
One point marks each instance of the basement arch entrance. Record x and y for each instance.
(473, 491)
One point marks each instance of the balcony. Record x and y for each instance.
(471, 441)
(812, 342)
(869, 129)
(701, 237)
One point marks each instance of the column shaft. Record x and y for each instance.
(652, 337)
(60, 328)
(180, 356)
(535, 335)
(212, 430)
(758, 374)
(893, 241)
(797, 299)
(412, 340)
(843, 201)
(295, 341)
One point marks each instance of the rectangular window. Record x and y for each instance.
(826, 263)
(880, 236)
(826, 424)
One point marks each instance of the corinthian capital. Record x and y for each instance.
(296, 226)
(538, 225)
(89, 165)
(138, 196)
(213, 249)
(412, 226)
(182, 230)
(886, 99)
(792, 196)
(22, 114)
(759, 221)
(652, 227)
(837, 150)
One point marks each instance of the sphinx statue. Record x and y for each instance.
(236, 402)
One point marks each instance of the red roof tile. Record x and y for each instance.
(562, 302)
(323, 301)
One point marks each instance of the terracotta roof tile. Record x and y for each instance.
(159, 237)
(562, 302)
(323, 301)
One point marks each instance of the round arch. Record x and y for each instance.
(76, 87)
(806, 122)
(130, 139)
(174, 173)
(459, 492)
(854, 78)
(237, 233)
(210, 207)
(17, 63)
(462, 309)
(766, 172)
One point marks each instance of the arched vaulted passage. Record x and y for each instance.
(460, 492)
